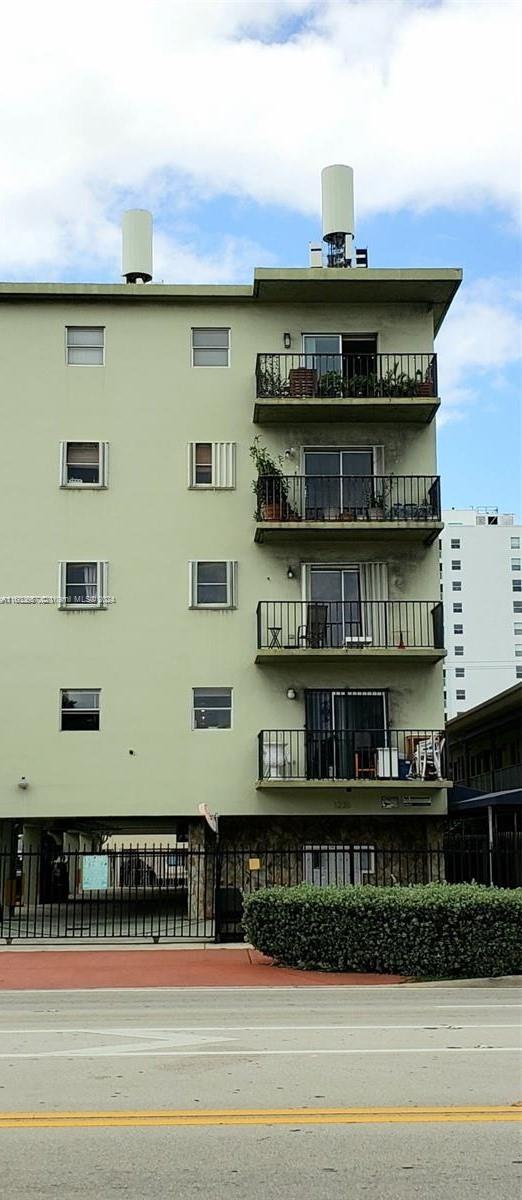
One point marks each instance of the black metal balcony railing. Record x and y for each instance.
(349, 624)
(340, 376)
(368, 754)
(348, 498)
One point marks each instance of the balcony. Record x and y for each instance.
(403, 630)
(337, 387)
(348, 506)
(369, 758)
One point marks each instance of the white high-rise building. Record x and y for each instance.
(481, 580)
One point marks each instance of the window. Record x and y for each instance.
(210, 347)
(515, 543)
(518, 672)
(458, 629)
(517, 606)
(459, 672)
(516, 585)
(83, 464)
(80, 709)
(518, 651)
(213, 584)
(212, 464)
(455, 564)
(517, 628)
(460, 694)
(457, 606)
(459, 650)
(212, 708)
(82, 584)
(455, 543)
(85, 345)
(456, 585)
(515, 564)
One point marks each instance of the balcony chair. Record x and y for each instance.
(314, 635)
(426, 759)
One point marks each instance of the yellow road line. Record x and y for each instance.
(262, 1116)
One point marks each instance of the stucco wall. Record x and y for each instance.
(148, 650)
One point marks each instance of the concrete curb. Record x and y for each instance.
(495, 981)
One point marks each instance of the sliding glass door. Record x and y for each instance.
(344, 730)
(339, 483)
(335, 603)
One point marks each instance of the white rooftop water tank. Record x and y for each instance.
(137, 245)
(338, 212)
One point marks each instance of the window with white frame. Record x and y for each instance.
(515, 543)
(517, 606)
(213, 584)
(212, 464)
(460, 694)
(458, 629)
(84, 345)
(456, 585)
(515, 564)
(82, 584)
(518, 672)
(210, 347)
(212, 708)
(457, 606)
(84, 464)
(80, 708)
(517, 628)
(455, 543)
(455, 564)
(460, 672)
(459, 650)
(518, 651)
(516, 585)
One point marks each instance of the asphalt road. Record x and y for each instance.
(260, 1090)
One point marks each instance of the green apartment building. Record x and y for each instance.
(187, 621)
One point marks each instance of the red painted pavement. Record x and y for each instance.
(160, 968)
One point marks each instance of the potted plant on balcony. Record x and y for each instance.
(331, 383)
(398, 383)
(423, 383)
(271, 486)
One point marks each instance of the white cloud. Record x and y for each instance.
(479, 343)
(419, 97)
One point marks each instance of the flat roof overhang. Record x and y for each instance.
(434, 287)
(286, 285)
(413, 531)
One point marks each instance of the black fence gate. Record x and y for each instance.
(196, 894)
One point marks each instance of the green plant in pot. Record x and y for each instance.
(397, 383)
(331, 384)
(423, 383)
(271, 486)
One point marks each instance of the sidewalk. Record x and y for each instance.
(215, 968)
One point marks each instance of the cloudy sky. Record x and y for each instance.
(219, 114)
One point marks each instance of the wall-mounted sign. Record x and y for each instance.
(95, 872)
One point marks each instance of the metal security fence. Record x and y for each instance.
(140, 895)
(147, 893)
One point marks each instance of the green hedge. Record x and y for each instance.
(438, 930)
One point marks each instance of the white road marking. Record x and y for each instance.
(122, 1052)
(161, 1031)
(373, 989)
